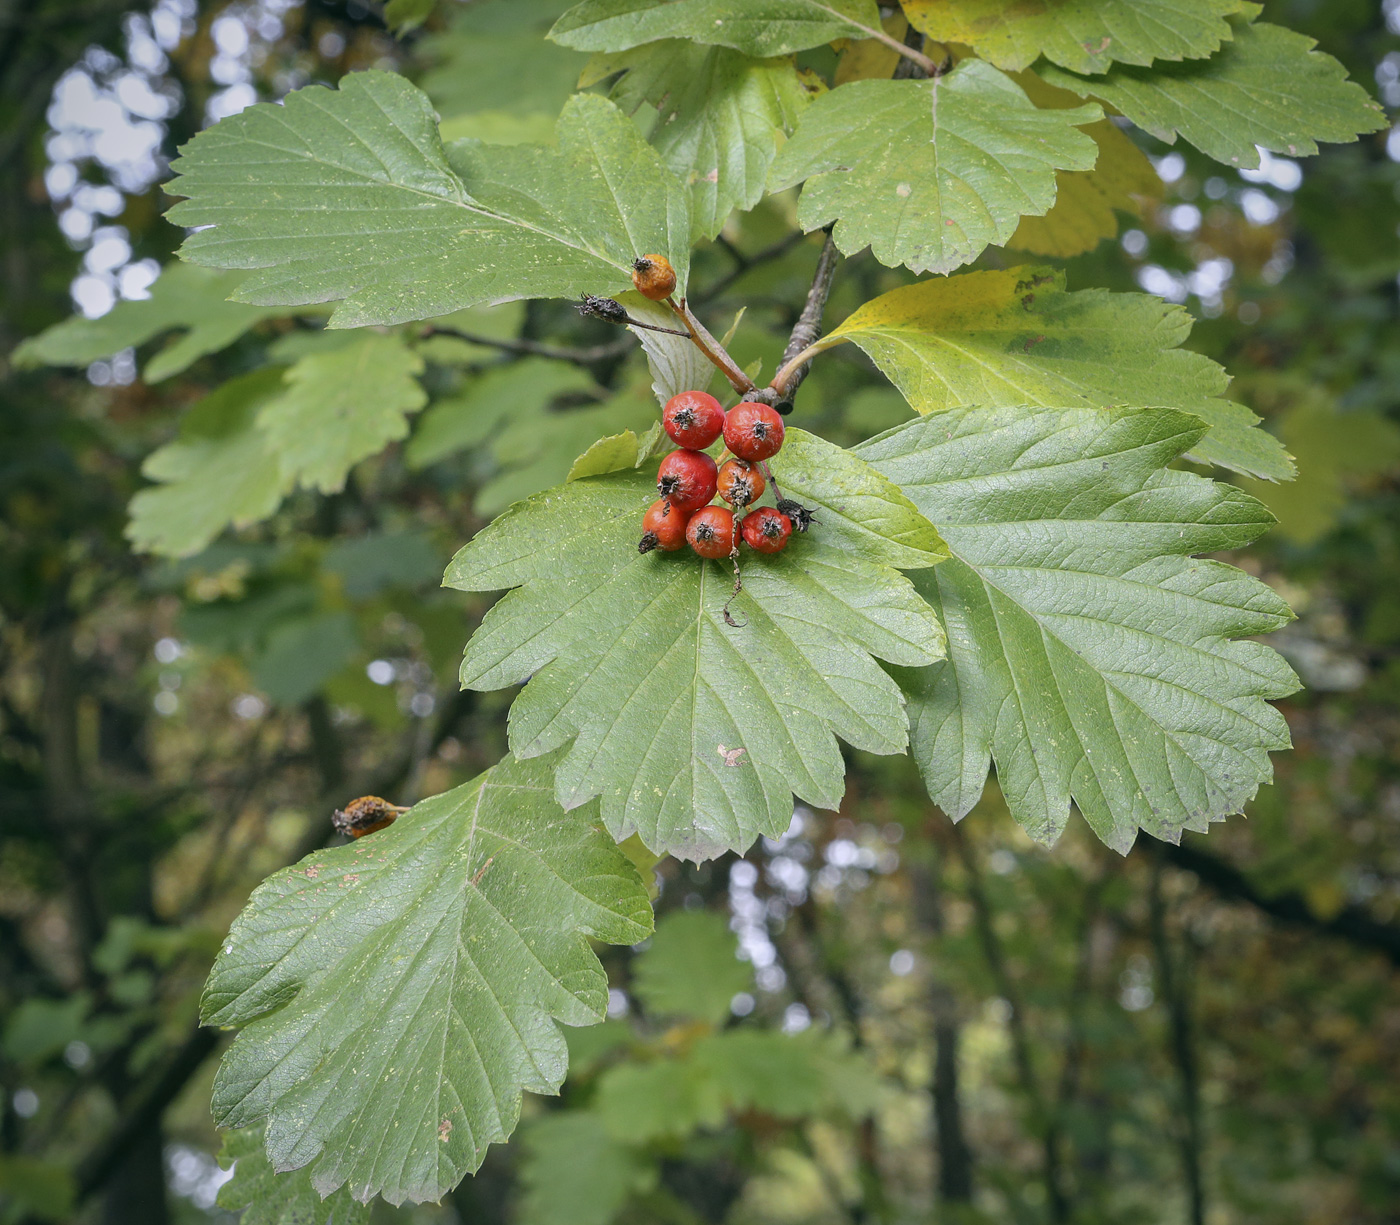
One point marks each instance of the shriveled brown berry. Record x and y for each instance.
(364, 816)
(653, 277)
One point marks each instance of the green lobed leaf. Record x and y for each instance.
(720, 117)
(341, 406)
(732, 1071)
(428, 963)
(1081, 35)
(695, 733)
(1017, 337)
(760, 28)
(494, 57)
(184, 298)
(535, 452)
(348, 196)
(929, 173)
(1266, 88)
(1092, 656)
(573, 1173)
(471, 416)
(691, 968)
(269, 1198)
(221, 471)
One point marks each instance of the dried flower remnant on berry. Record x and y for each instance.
(801, 517)
(364, 816)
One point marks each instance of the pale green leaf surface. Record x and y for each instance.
(1091, 655)
(221, 471)
(269, 1198)
(1017, 337)
(342, 406)
(1081, 35)
(696, 733)
(691, 968)
(760, 28)
(929, 173)
(720, 117)
(1266, 88)
(185, 298)
(573, 1173)
(349, 196)
(610, 454)
(470, 417)
(428, 964)
(493, 56)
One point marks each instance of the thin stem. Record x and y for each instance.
(580, 357)
(890, 41)
(785, 374)
(711, 348)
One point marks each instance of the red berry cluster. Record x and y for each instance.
(689, 480)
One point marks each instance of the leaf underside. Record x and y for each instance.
(756, 27)
(1091, 656)
(695, 733)
(349, 196)
(929, 173)
(429, 963)
(1013, 337)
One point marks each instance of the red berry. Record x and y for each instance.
(694, 419)
(711, 531)
(687, 479)
(753, 431)
(739, 482)
(767, 530)
(663, 527)
(653, 276)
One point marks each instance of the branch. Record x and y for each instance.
(803, 344)
(580, 357)
(712, 349)
(928, 67)
(1354, 924)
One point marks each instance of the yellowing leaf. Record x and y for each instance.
(1016, 337)
(1082, 35)
(1087, 201)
